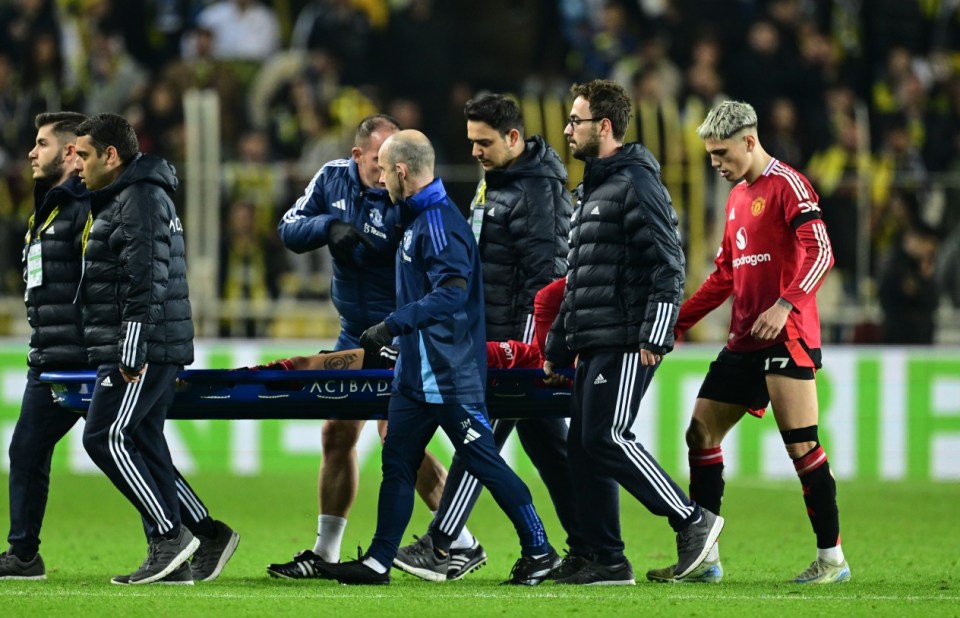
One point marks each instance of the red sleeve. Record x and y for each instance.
(546, 306)
(711, 293)
(513, 355)
(817, 261)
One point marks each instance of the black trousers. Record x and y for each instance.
(124, 437)
(42, 423)
(605, 454)
(545, 442)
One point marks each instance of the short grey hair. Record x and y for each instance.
(418, 154)
(727, 119)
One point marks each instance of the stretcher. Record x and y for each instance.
(342, 394)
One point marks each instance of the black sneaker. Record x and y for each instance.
(421, 560)
(164, 556)
(214, 552)
(463, 561)
(596, 574)
(355, 572)
(694, 542)
(530, 571)
(12, 567)
(180, 576)
(569, 565)
(305, 565)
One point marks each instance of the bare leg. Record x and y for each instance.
(339, 473)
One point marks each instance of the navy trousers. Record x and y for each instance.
(411, 425)
(545, 442)
(124, 437)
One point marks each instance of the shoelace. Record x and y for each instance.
(419, 548)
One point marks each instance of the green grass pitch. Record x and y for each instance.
(902, 542)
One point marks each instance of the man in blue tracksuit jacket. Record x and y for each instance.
(440, 376)
(347, 209)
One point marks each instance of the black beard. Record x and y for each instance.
(51, 172)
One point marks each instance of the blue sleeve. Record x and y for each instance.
(305, 226)
(445, 254)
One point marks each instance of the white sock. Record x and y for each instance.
(464, 541)
(376, 566)
(714, 554)
(833, 555)
(329, 536)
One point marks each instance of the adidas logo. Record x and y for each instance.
(340, 204)
(50, 231)
(595, 211)
(106, 382)
(600, 379)
(472, 434)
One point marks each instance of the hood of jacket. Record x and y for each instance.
(143, 168)
(539, 159)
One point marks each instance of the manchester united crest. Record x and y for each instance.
(757, 206)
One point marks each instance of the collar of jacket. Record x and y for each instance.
(44, 196)
(633, 153)
(431, 195)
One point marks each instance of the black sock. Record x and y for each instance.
(820, 496)
(706, 478)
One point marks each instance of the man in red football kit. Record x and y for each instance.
(500, 354)
(774, 255)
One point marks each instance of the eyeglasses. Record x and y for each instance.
(576, 121)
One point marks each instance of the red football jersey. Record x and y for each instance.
(775, 245)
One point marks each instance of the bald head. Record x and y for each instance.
(411, 148)
(406, 163)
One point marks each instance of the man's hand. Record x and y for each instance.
(553, 378)
(131, 377)
(376, 337)
(343, 238)
(770, 322)
(648, 358)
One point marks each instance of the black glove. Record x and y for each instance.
(343, 238)
(376, 337)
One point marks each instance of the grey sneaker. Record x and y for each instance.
(12, 567)
(596, 574)
(164, 556)
(822, 572)
(179, 577)
(463, 561)
(421, 560)
(694, 542)
(305, 565)
(706, 573)
(214, 552)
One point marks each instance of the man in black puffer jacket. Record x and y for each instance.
(521, 219)
(51, 257)
(138, 330)
(624, 288)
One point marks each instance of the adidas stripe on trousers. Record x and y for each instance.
(124, 436)
(545, 442)
(412, 424)
(605, 454)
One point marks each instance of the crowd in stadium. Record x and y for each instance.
(863, 97)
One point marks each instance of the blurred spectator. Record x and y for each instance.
(761, 70)
(782, 136)
(253, 179)
(158, 120)
(420, 29)
(251, 263)
(242, 29)
(837, 172)
(114, 77)
(21, 22)
(650, 56)
(202, 71)
(339, 25)
(907, 288)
